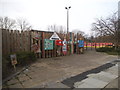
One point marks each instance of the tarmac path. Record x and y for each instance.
(45, 71)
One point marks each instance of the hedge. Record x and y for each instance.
(111, 51)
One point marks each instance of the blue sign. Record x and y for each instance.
(80, 43)
(70, 36)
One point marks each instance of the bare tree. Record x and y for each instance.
(57, 28)
(77, 31)
(52, 27)
(23, 25)
(7, 23)
(106, 27)
(78, 34)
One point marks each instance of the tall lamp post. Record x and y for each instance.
(67, 8)
(67, 36)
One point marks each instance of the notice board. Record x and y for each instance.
(48, 44)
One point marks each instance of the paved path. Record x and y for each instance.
(46, 72)
(106, 78)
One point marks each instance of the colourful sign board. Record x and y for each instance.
(64, 47)
(98, 45)
(48, 44)
(80, 43)
(58, 42)
(36, 36)
(36, 48)
(55, 37)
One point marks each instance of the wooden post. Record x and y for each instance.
(25, 37)
(86, 45)
(51, 53)
(12, 42)
(95, 45)
(3, 43)
(8, 42)
(43, 51)
(48, 53)
(91, 45)
(17, 41)
(77, 47)
(54, 49)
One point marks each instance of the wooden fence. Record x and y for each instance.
(15, 41)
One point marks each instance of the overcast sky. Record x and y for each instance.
(41, 13)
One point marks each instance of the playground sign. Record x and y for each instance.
(58, 42)
(64, 47)
(55, 37)
(48, 44)
(13, 60)
(80, 43)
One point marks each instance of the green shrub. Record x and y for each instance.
(111, 51)
(24, 58)
(105, 49)
(5, 68)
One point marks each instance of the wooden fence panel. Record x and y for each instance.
(25, 42)
(8, 41)
(3, 42)
(11, 38)
(16, 41)
(29, 41)
(13, 43)
(22, 41)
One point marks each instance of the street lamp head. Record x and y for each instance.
(69, 7)
(65, 7)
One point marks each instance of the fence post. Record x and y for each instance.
(43, 51)
(54, 49)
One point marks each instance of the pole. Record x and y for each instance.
(67, 29)
(68, 18)
(67, 21)
(67, 35)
